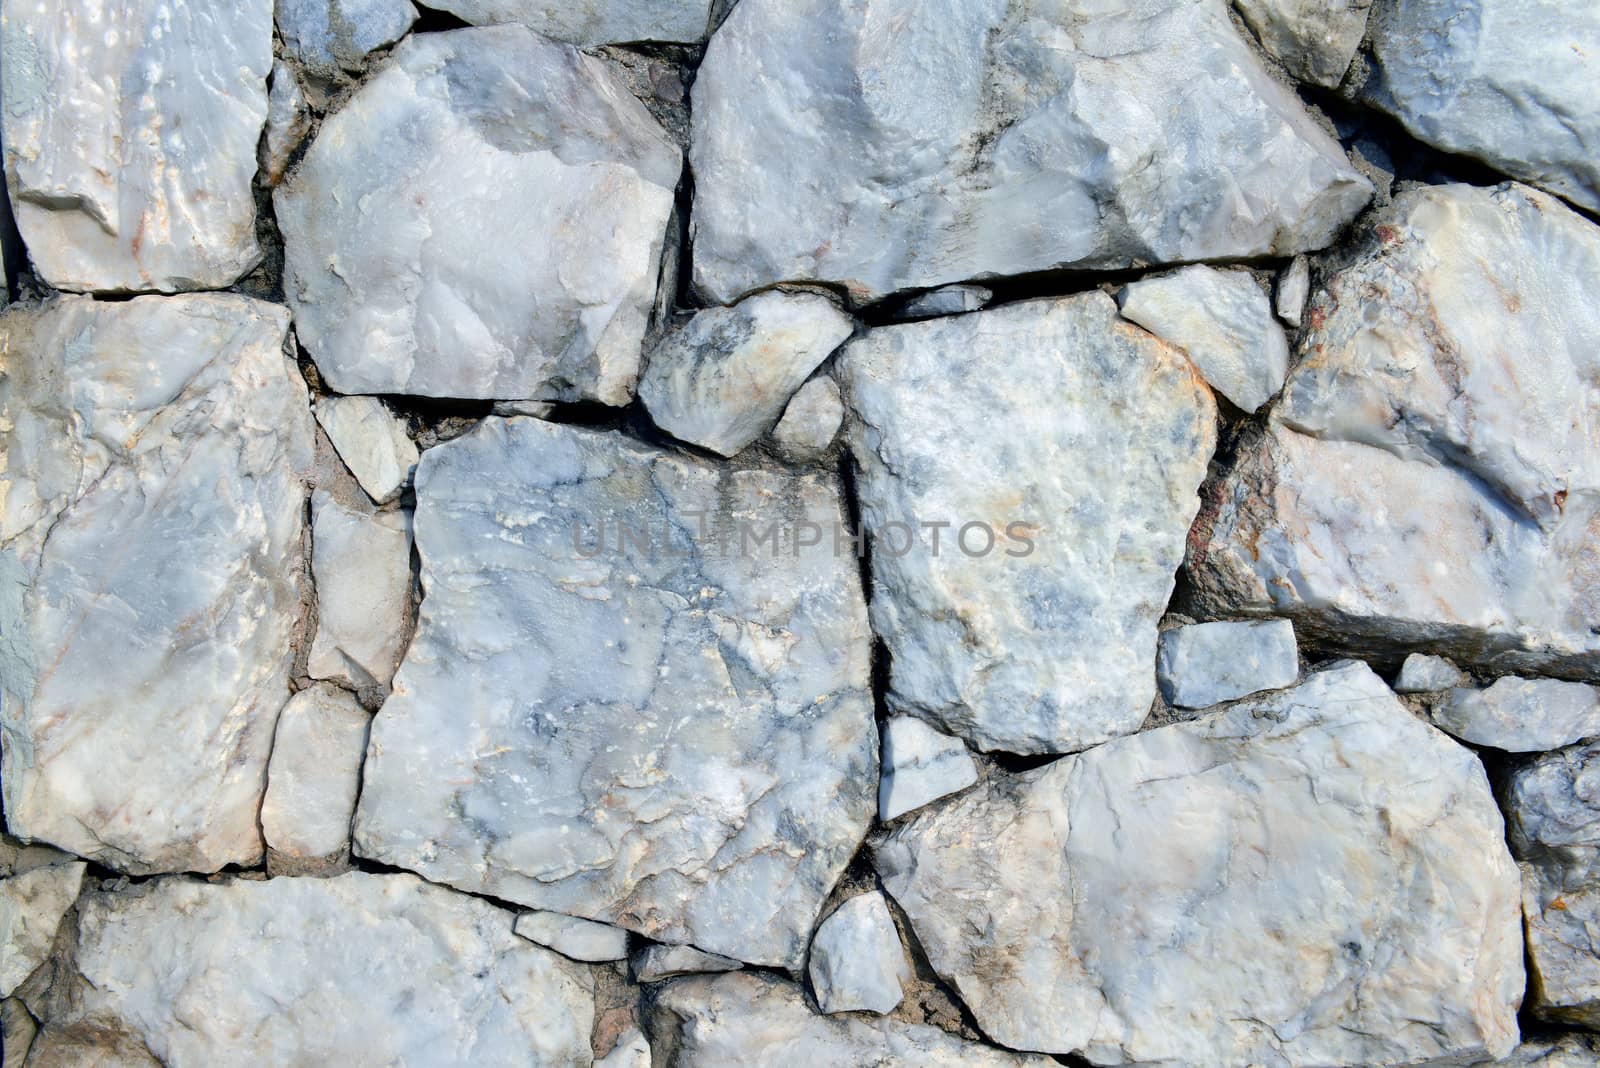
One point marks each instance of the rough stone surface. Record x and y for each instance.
(17, 1031)
(946, 300)
(1521, 715)
(482, 219)
(130, 136)
(1315, 40)
(857, 962)
(811, 421)
(723, 379)
(31, 907)
(288, 122)
(1294, 289)
(1508, 81)
(361, 561)
(750, 1019)
(313, 778)
(1223, 321)
(1043, 644)
(1422, 673)
(1208, 663)
(1141, 903)
(582, 940)
(887, 146)
(150, 537)
(655, 963)
(327, 36)
(920, 765)
(675, 738)
(631, 1051)
(594, 22)
(1563, 1051)
(371, 442)
(361, 969)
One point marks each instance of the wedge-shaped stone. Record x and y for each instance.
(920, 765)
(1521, 715)
(313, 778)
(857, 962)
(1422, 673)
(371, 442)
(327, 36)
(150, 539)
(594, 22)
(362, 564)
(1315, 40)
(607, 713)
(582, 940)
(1062, 449)
(31, 907)
(652, 964)
(1312, 878)
(483, 218)
(130, 136)
(811, 421)
(888, 145)
(362, 969)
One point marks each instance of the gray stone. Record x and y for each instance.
(361, 969)
(746, 1019)
(1043, 643)
(1315, 40)
(1508, 81)
(1294, 288)
(151, 528)
(811, 421)
(885, 146)
(582, 940)
(1223, 321)
(372, 443)
(130, 135)
(288, 123)
(362, 564)
(1561, 1051)
(946, 300)
(920, 765)
(668, 731)
(327, 36)
(594, 22)
(655, 963)
(1422, 673)
(1521, 715)
(631, 1051)
(722, 380)
(313, 779)
(1312, 878)
(857, 962)
(31, 907)
(1209, 663)
(17, 1031)
(484, 218)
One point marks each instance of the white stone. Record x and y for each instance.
(713, 1022)
(1208, 663)
(1508, 81)
(722, 379)
(582, 940)
(327, 36)
(1223, 321)
(372, 443)
(130, 136)
(1422, 673)
(31, 907)
(655, 963)
(811, 421)
(885, 146)
(1044, 643)
(314, 775)
(920, 765)
(361, 969)
(484, 218)
(679, 743)
(288, 122)
(1312, 878)
(857, 962)
(1294, 288)
(362, 565)
(151, 529)
(594, 22)
(631, 1051)
(1521, 715)
(946, 300)
(1315, 40)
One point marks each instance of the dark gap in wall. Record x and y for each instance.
(432, 20)
(1016, 763)
(590, 414)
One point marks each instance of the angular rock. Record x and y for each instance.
(670, 729)
(883, 147)
(287, 124)
(31, 907)
(594, 22)
(371, 442)
(920, 765)
(1315, 40)
(1043, 643)
(313, 779)
(631, 1051)
(753, 1019)
(17, 1031)
(361, 969)
(582, 940)
(150, 537)
(857, 962)
(1510, 82)
(1560, 1051)
(1521, 715)
(655, 963)
(405, 277)
(327, 36)
(1294, 288)
(1223, 321)
(1315, 877)
(723, 379)
(130, 135)
(1428, 674)
(1209, 663)
(946, 300)
(362, 564)
(811, 421)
